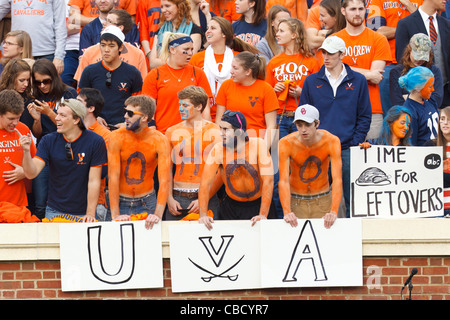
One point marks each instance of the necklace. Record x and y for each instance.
(179, 79)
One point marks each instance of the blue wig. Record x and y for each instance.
(415, 79)
(392, 115)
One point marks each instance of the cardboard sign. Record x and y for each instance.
(234, 255)
(310, 255)
(224, 258)
(396, 182)
(110, 256)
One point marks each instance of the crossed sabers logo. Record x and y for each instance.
(217, 257)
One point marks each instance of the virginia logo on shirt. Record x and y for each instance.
(10, 146)
(28, 9)
(81, 158)
(253, 100)
(123, 86)
(349, 86)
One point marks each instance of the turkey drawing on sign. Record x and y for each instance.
(373, 177)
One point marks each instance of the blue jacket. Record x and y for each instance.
(348, 114)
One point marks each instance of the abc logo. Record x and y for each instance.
(432, 161)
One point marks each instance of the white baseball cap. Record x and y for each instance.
(306, 113)
(116, 32)
(333, 44)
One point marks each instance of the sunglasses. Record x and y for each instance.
(69, 153)
(108, 79)
(131, 113)
(45, 82)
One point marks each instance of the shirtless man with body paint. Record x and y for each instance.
(246, 169)
(134, 151)
(190, 143)
(304, 159)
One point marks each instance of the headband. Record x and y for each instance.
(178, 41)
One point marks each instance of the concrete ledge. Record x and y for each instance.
(381, 238)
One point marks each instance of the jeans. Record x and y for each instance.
(40, 191)
(287, 125)
(50, 213)
(213, 205)
(384, 89)
(102, 213)
(375, 126)
(131, 206)
(70, 67)
(345, 156)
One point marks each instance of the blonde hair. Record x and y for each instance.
(298, 28)
(167, 38)
(24, 41)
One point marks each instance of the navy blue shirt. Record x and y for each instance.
(68, 180)
(250, 32)
(126, 80)
(46, 123)
(424, 120)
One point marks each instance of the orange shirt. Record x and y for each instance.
(295, 68)
(163, 84)
(313, 19)
(11, 150)
(198, 60)
(230, 12)
(147, 19)
(361, 50)
(89, 9)
(134, 56)
(190, 148)
(298, 8)
(253, 101)
(220, 7)
(388, 13)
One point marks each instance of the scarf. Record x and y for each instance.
(168, 27)
(211, 68)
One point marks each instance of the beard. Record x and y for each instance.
(355, 23)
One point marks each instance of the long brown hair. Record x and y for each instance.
(231, 41)
(333, 8)
(9, 75)
(253, 62)
(183, 11)
(271, 30)
(441, 140)
(407, 62)
(46, 67)
(259, 11)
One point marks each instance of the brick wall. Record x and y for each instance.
(383, 280)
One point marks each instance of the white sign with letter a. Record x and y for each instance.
(110, 256)
(310, 255)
